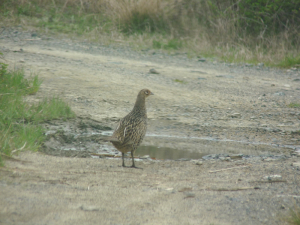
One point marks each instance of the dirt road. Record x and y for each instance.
(236, 114)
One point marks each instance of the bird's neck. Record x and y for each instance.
(139, 105)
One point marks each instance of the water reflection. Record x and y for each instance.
(167, 153)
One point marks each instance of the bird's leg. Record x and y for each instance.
(133, 165)
(123, 163)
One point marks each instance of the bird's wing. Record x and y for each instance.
(123, 131)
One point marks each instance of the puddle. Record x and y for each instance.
(167, 153)
(80, 138)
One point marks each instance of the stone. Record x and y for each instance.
(153, 71)
(89, 208)
(260, 64)
(296, 164)
(279, 94)
(273, 177)
(202, 60)
(236, 156)
(199, 163)
(189, 195)
(235, 115)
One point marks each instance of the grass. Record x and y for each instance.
(173, 44)
(294, 105)
(210, 29)
(180, 81)
(19, 121)
(290, 61)
(293, 218)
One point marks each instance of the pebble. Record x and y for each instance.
(199, 163)
(202, 60)
(296, 164)
(236, 156)
(89, 208)
(153, 71)
(189, 195)
(269, 159)
(279, 94)
(273, 177)
(260, 64)
(225, 76)
(235, 115)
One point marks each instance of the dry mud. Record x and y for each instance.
(234, 116)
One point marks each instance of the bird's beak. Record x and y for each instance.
(151, 93)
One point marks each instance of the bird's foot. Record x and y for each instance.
(133, 166)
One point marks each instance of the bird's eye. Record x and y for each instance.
(146, 92)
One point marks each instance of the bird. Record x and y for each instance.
(132, 128)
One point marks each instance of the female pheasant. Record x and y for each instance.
(132, 128)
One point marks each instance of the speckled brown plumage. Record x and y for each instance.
(132, 128)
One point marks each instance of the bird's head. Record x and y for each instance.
(145, 93)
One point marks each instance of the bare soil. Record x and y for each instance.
(236, 114)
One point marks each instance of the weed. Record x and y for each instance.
(172, 44)
(293, 218)
(180, 81)
(156, 44)
(294, 105)
(290, 61)
(52, 108)
(19, 122)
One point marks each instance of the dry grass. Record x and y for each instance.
(202, 28)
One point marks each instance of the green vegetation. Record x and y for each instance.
(294, 217)
(294, 105)
(172, 44)
(290, 61)
(19, 128)
(180, 81)
(236, 31)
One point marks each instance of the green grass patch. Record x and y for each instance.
(19, 121)
(294, 216)
(69, 22)
(180, 81)
(294, 105)
(290, 61)
(52, 108)
(173, 44)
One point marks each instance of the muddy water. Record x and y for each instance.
(81, 138)
(176, 147)
(167, 153)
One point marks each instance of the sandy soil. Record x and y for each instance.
(212, 108)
